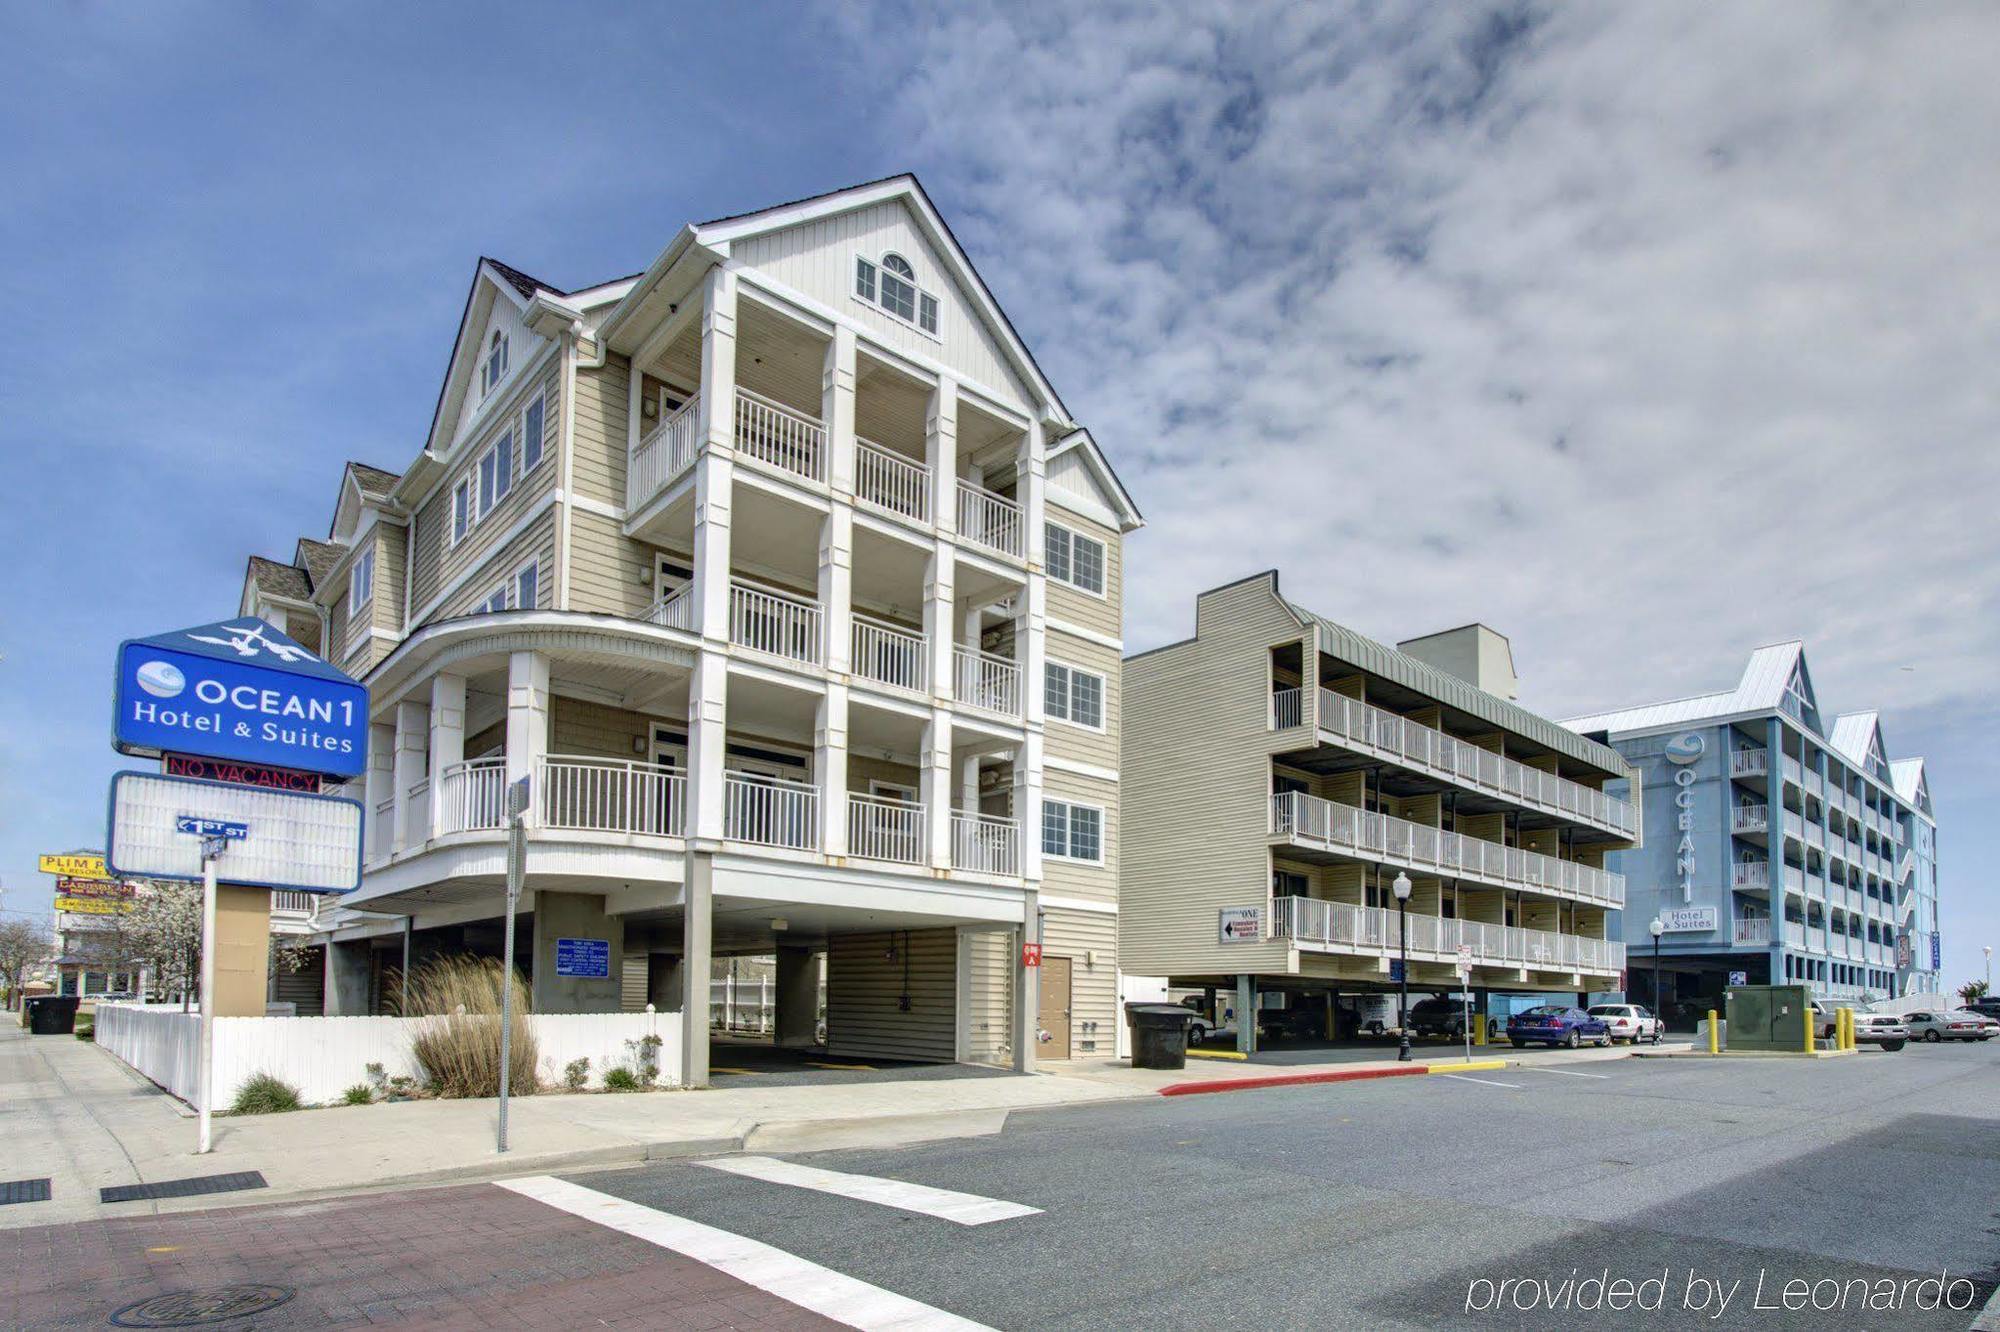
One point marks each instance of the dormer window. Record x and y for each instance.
(495, 368)
(361, 580)
(892, 285)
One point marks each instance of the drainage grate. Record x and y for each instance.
(192, 1308)
(24, 1190)
(183, 1188)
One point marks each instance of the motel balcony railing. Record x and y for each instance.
(777, 625)
(673, 611)
(587, 794)
(472, 796)
(990, 520)
(889, 655)
(1385, 839)
(1749, 762)
(1750, 874)
(771, 811)
(1377, 731)
(890, 482)
(662, 454)
(881, 828)
(986, 681)
(985, 844)
(1345, 927)
(1749, 818)
(777, 436)
(1754, 930)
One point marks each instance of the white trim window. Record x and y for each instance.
(1073, 695)
(534, 418)
(494, 369)
(515, 593)
(1073, 832)
(361, 579)
(485, 484)
(1073, 558)
(891, 285)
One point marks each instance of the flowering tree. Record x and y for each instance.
(163, 930)
(24, 945)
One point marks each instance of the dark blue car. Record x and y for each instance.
(1557, 1024)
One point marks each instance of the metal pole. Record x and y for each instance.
(1465, 989)
(207, 1020)
(517, 853)
(1659, 1009)
(409, 926)
(1403, 978)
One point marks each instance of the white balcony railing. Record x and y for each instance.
(889, 655)
(773, 623)
(382, 829)
(1749, 762)
(1425, 749)
(891, 482)
(1749, 818)
(666, 451)
(985, 844)
(770, 811)
(879, 828)
(472, 796)
(987, 681)
(673, 611)
(1750, 874)
(612, 795)
(1389, 840)
(779, 437)
(1286, 707)
(1751, 930)
(989, 520)
(1351, 928)
(1795, 934)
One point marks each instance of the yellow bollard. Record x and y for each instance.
(1811, 1044)
(1714, 1034)
(1479, 1030)
(1847, 1029)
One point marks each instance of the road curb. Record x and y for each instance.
(1292, 1080)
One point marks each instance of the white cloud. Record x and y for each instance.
(1646, 333)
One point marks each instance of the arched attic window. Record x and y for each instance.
(892, 285)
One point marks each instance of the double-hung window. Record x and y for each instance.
(1072, 695)
(361, 580)
(480, 490)
(516, 593)
(892, 285)
(532, 419)
(1072, 832)
(495, 368)
(1073, 558)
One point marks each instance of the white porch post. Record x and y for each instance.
(412, 736)
(830, 768)
(836, 410)
(939, 620)
(836, 587)
(1031, 650)
(447, 737)
(1028, 804)
(1027, 992)
(941, 453)
(935, 782)
(527, 721)
(381, 786)
(713, 476)
(708, 718)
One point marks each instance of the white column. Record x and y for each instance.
(412, 737)
(935, 783)
(830, 769)
(940, 615)
(447, 736)
(697, 935)
(1031, 608)
(836, 410)
(1027, 992)
(713, 470)
(708, 715)
(381, 786)
(941, 453)
(527, 720)
(1028, 804)
(969, 785)
(836, 587)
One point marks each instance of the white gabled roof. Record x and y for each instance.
(1907, 776)
(1770, 669)
(1119, 499)
(1859, 736)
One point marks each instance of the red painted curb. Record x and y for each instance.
(1288, 1080)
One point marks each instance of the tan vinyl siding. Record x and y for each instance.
(391, 552)
(597, 471)
(1080, 744)
(1071, 605)
(1072, 878)
(609, 573)
(865, 987)
(538, 542)
(1093, 985)
(597, 730)
(989, 1021)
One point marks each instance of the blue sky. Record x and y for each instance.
(1646, 334)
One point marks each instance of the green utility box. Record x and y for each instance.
(1768, 1017)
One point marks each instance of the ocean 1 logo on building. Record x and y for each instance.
(1682, 751)
(160, 679)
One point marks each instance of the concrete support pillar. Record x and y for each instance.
(1027, 987)
(708, 719)
(797, 999)
(447, 728)
(410, 767)
(380, 789)
(242, 950)
(836, 587)
(935, 786)
(579, 919)
(940, 621)
(830, 768)
(714, 469)
(836, 410)
(1246, 1014)
(1028, 804)
(527, 721)
(697, 937)
(941, 452)
(347, 970)
(968, 786)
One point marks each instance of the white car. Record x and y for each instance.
(1630, 1023)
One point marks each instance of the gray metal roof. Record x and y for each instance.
(1423, 678)
(1762, 689)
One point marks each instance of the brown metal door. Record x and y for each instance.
(1052, 1011)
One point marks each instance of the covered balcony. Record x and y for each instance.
(1346, 928)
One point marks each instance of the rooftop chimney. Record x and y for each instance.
(1474, 653)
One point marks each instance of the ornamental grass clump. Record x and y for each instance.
(263, 1094)
(456, 1035)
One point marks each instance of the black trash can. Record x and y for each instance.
(1159, 1034)
(52, 1015)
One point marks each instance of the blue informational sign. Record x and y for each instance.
(1395, 970)
(197, 827)
(587, 958)
(1937, 953)
(239, 690)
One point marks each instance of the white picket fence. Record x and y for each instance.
(323, 1057)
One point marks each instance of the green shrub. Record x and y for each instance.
(86, 1031)
(645, 1060)
(576, 1073)
(621, 1079)
(456, 1041)
(359, 1094)
(263, 1094)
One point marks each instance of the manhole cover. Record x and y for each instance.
(192, 1308)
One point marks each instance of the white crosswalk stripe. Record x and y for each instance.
(1565, 1072)
(966, 1209)
(1484, 1082)
(806, 1284)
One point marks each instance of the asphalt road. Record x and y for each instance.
(1395, 1203)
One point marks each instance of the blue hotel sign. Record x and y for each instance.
(240, 691)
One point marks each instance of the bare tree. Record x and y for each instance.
(24, 945)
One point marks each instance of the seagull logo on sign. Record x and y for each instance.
(249, 641)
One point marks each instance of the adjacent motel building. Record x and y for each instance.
(1785, 849)
(1280, 771)
(788, 581)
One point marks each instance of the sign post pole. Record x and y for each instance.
(211, 847)
(517, 854)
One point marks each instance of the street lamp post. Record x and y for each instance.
(1989, 970)
(1657, 927)
(1401, 888)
